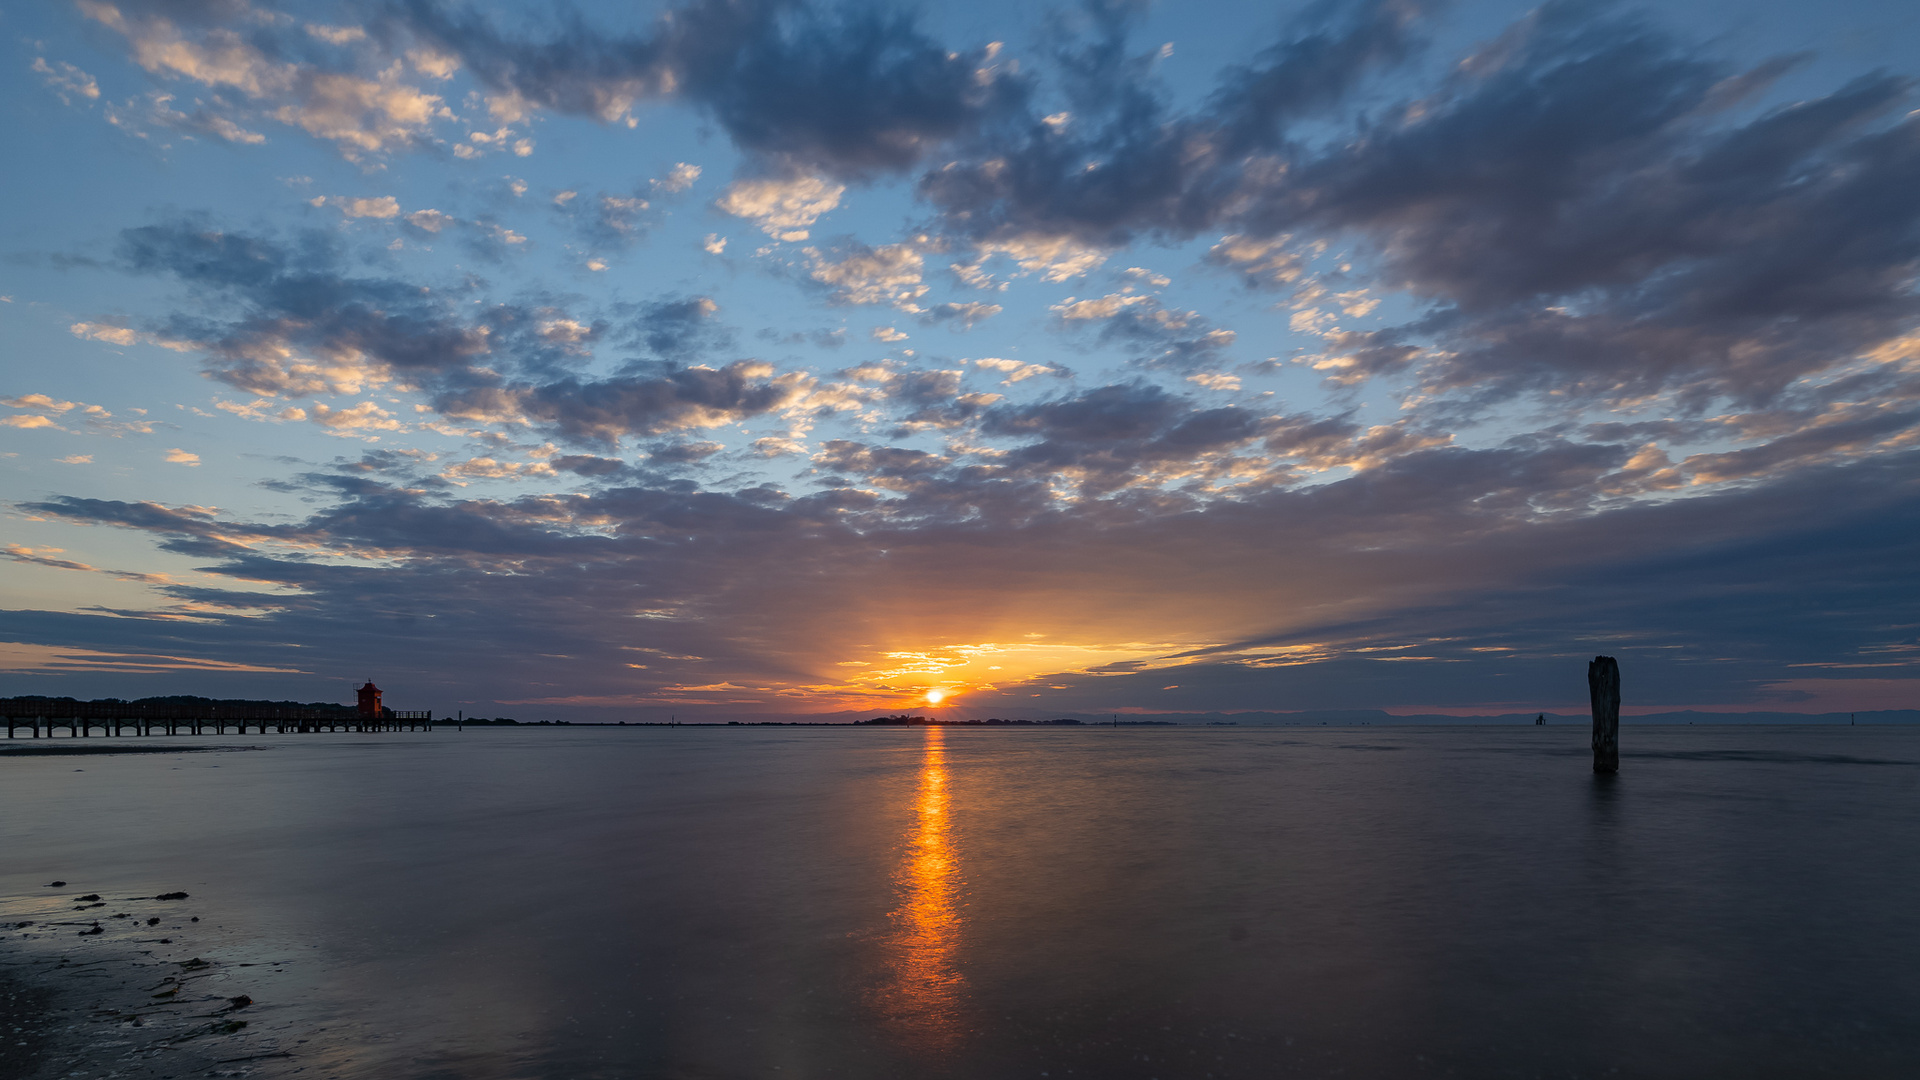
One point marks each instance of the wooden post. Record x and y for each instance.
(1603, 684)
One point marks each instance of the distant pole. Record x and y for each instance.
(1603, 684)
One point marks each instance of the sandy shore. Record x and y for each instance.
(128, 987)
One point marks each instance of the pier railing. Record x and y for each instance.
(79, 718)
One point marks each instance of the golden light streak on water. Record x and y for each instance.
(925, 993)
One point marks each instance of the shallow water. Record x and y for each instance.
(1113, 903)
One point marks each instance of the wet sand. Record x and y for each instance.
(117, 986)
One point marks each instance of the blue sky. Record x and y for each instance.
(735, 359)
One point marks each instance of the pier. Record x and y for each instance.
(80, 718)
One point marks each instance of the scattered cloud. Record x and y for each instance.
(679, 178)
(69, 82)
(379, 206)
(783, 207)
(961, 315)
(858, 274)
(1015, 370)
(360, 113)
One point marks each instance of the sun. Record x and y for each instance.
(936, 696)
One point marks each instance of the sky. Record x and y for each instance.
(764, 359)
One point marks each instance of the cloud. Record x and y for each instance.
(1073, 309)
(117, 335)
(1156, 335)
(1054, 258)
(857, 274)
(488, 468)
(430, 221)
(661, 399)
(962, 315)
(1263, 262)
(680, 329)
(842, 93)
(154, 111)
(364, 417)
(1120, 435)
(1320, 580)
(43, 411)
(588, 464)
(300, 326)
(45, 403)
(1015, 370)
(27, 658)
(41, 557)
(337, 35)
(177, 456)
(683, 453)
(1126, 164)
(1767, 271)
(361, 114)
(679, 178)
(503, 138)
(380, 206)
(1432, 556)
(606, 222)
(67, 81)
(783, 207)
(1579, 205)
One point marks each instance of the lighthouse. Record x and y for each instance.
(370, 701)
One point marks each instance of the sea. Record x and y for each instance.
(1136, 902)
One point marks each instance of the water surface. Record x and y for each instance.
(1115, 903)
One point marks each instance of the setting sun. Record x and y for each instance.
(935, 696)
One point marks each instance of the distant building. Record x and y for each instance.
(370, 700)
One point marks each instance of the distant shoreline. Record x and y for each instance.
(27, 745)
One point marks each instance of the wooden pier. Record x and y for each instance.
(80, 718)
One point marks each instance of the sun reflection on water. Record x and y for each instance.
(925, 990)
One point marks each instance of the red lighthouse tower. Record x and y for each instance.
(370, 701)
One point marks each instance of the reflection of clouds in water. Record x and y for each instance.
(924, 988)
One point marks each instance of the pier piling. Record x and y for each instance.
(1603, 685)
(119, 718)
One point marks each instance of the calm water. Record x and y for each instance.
(755, 902)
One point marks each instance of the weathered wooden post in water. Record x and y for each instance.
(1603, 683)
